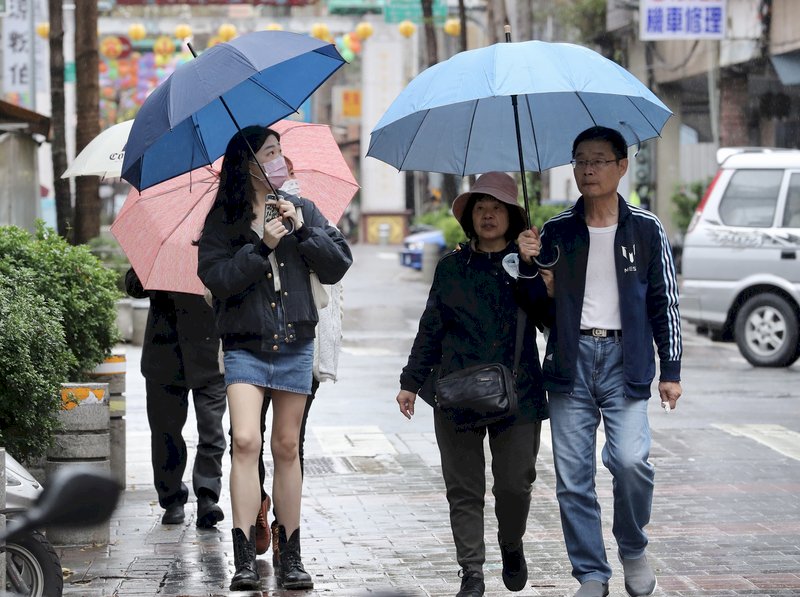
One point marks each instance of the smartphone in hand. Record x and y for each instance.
(271, 209)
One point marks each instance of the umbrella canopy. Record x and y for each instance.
(157, 229)
(457, 117)
(103, 155)
(262, 77)
(319, 166)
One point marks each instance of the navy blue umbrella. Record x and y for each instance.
(260, 77)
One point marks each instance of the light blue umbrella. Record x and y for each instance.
(512, 106)
(255, 79)
(456, 117)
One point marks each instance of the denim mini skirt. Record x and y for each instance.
(287, 369)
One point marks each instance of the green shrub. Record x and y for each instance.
(106, 248)
(541, 213)
(684, 202)
(34, 360)
(83, 290)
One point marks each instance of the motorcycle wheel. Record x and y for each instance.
(33, 568)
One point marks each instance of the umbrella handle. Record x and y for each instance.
(552, 263)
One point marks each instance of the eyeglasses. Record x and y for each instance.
(593, 164)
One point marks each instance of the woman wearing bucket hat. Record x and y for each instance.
(471, 319)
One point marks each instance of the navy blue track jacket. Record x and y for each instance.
(648, 297)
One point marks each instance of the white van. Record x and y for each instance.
(741, 255)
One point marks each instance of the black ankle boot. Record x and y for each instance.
(292, 575)
(515, 569)
(244, 557)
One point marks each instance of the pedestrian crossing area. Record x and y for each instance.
(367, 441)
(776, 437)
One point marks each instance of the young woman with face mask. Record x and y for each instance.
(257, 268)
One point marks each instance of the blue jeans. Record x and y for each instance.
(574, 418)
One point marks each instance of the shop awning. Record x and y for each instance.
(23, 120)
(788, 67)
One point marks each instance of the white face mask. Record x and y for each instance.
(292, 187)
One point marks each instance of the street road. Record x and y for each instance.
(726, 518)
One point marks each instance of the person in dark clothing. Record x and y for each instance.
(181, 353)
(616, 294)
(471, 319)
(256, 254)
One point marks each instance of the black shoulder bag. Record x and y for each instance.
(482, 394)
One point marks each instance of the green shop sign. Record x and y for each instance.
(396, 11)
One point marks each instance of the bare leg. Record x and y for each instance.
(287, 483)
(244, 403)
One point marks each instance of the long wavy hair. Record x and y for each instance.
(235, 193)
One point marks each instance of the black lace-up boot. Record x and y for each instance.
(244, 557)
(472, 584)
(292, 575)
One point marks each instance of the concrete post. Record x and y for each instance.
(125, 319)
(430, 258)
(139, 317)
(113, 371)
(84, 439)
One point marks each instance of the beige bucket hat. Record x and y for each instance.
(499, 185)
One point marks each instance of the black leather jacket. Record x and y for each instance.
(233, 264)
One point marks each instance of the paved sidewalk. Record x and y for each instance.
(726, 520)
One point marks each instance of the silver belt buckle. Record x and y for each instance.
(599, 333)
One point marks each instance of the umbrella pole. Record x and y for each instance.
(238, 128)
(507, 29)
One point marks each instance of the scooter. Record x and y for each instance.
(76, 496)
(33, 568)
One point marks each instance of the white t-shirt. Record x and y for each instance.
(601, 296)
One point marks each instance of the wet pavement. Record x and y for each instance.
(726, 519)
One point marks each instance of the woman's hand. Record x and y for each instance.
(274, 230)
(406, 401)
(529, 245)
(288, 212)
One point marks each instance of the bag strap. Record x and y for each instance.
(521, 318)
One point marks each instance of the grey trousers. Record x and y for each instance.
(167, 410)
(514, 449)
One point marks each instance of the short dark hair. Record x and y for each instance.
(516, 221)
(603, 133)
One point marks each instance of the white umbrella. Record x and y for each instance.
(103, 155)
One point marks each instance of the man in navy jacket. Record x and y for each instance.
(615, 292)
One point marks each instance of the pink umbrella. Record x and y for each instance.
(157, 227)
(324, 175)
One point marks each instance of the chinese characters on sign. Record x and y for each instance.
(681, 19)
(22, 52)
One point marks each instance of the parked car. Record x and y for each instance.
(741, 274)
(411, 255)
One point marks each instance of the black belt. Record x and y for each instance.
(601, 333)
